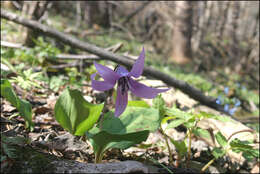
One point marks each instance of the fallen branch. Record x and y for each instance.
(148, 71)
(113, 48)
(13, 45)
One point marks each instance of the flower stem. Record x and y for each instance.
(189, 148)
(207, 165)
(99, 155)
(167, 144)
(108, 94)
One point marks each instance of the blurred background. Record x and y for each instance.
(207, 33)
(209, 44)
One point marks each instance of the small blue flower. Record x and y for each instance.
(218, 101)
(226, 90)
(226, 107)
(237, 103)
(232, 111)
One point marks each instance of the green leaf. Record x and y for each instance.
(222, 118)
(105, 140)
(132, 120)
(222, 141)
(180, 146)
(179, 114)
(132, 127)
(201, 133)
(175, 123)
(139, 103)
(159, 103)
(138, 118)
(74, 113)
(23, 106)
(190, 123)
(8, 92)
(205, 115)
(236, 143)
(218, 152)
(165, 119)
(247, 150)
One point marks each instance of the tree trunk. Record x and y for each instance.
(97, 12)
(235, 52)
(200, 21)
(223, 21)
(182, 33)
(35, 10)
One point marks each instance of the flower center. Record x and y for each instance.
(123, 84)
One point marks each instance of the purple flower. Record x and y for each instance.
(125, 82)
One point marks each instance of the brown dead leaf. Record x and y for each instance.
(51, 101)
(8, 108)
(255, 169)
(42, 110)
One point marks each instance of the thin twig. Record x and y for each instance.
(168, 146)
(246, 130)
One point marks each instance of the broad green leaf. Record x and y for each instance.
(137, 118)
(222, 141)
(25, 109)
(132, 120)
(8, 92)
(74, 113)
(23, 106)
(201, 133)
(112, 124)
(218, 152)
(175, 123)
(105, 140)
(139, 103)
(132, 127)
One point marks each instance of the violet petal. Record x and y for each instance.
(100, 85)
(121, 101)
(143, 91)
(106, 73)
(122, 71)
(138, 66)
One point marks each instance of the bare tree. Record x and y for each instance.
(97, 12)
(235, 51)
(182, 33)
(223, 20)
(34, 10)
